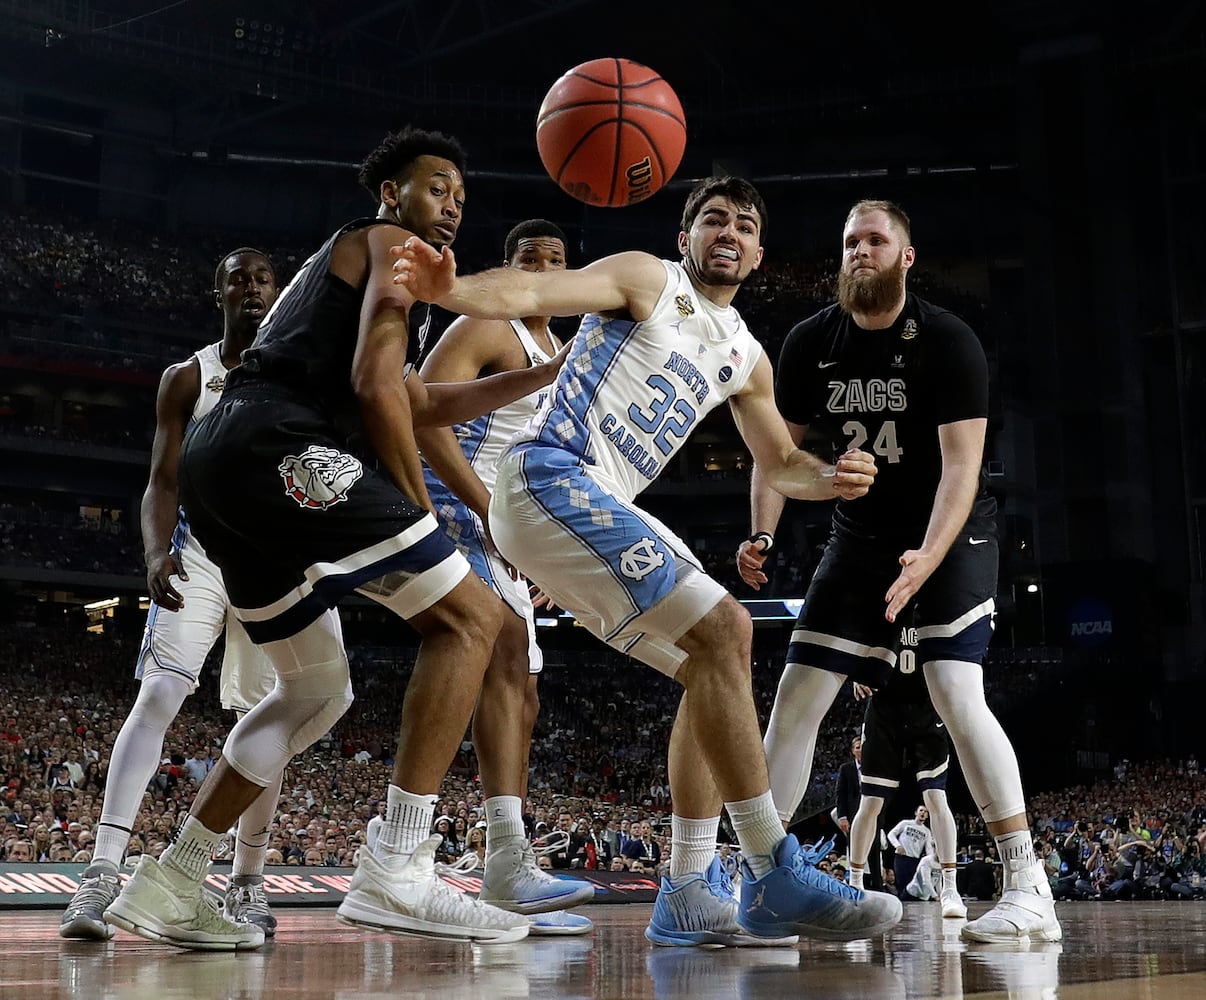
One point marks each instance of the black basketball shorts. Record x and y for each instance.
(842, 627)
(296, 522)
(901, 738)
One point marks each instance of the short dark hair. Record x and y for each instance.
(221, 270)
(398, 150)
(736, 189)
(528, 229)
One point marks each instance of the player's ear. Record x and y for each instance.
(684, 243)
(389, 193)
(218, 297)
(908, 257)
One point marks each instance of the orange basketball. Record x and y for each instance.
(611, 132)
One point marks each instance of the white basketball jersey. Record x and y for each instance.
(630, 393)
(485, 439)
(213, 379)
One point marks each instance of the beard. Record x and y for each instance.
(873, 293)
(708, 275)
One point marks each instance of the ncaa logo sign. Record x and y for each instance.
(639, 560)
(319, 477)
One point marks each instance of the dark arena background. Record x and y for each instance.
(1052, 157)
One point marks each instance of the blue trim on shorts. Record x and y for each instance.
(969, 646)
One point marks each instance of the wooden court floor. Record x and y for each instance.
(1110, 951)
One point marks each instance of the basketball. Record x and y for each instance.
(611, 132)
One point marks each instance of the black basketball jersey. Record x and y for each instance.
(886, 392)
(308, 339)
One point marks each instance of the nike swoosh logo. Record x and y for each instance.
(939, 725)
(976, 541)
(826, 364)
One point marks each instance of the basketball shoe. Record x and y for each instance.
(702, 912)
(84, 918)
(513, 881)
(161, 904)
(407, 895)
(1023, 913)
(245, 903)
(559, 922)
(795, 898)
(952, 904)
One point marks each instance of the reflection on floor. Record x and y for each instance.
(1111, 951)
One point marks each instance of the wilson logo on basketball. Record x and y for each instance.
(319, 477)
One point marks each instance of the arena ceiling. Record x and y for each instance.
(310, 77)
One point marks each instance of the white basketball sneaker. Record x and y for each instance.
(161, 904)
(1021, 914)
(952, 904)
(406, 895)
(513, 881)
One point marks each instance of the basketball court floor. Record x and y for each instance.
(1110, 951)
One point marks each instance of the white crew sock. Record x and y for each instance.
(407, 822)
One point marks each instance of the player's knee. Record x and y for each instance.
(725, 634)
(470, 615)
(160, 697)
(511, 649)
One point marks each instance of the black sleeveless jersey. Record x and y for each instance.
(306, 343)
(887, 392)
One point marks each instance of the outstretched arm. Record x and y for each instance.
(447, 403)
(785, 468)
(622, 283)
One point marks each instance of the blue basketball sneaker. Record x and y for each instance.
(702, 912)
(558, 923)
(795, 898)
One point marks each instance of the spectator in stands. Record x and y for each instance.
(643, 848)
(475, 843)
(198, 765)
(980, 881)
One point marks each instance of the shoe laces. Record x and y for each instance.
(251, 898)
(722, 885)
(94, 891)
(550, 843)
(210, 915)
(465, 863)
(804, 866)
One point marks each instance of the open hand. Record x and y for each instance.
(427, 273)
(917, 565)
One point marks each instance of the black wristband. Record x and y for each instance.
(765, 537)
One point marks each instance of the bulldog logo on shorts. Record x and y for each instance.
(319, 477)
